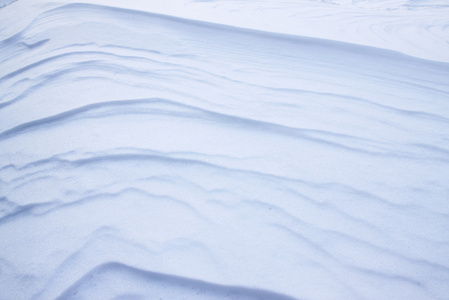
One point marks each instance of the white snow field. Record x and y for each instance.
(224, 149)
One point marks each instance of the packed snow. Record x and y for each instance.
(224, 149)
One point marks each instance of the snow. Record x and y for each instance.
(224, 149)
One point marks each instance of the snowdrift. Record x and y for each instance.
(147, 155)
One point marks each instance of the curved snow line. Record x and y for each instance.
(42, 209)
(171, 109)
(108, 160)
(114, 272)
(95, 63)
(247, 123)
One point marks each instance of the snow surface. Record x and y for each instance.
(224, 149)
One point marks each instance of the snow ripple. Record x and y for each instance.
(143, 154)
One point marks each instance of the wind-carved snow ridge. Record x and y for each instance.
(145, 155)
(149, 284)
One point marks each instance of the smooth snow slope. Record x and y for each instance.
(145, 155)
(414, 27)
